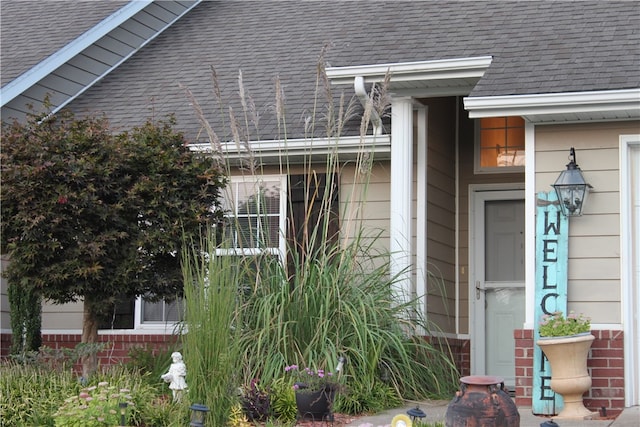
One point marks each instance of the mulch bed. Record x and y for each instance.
(338, 421)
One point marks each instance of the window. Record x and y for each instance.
(139, 313)
(500, 144)
(262, 213)
(161, 311)
(255, 210)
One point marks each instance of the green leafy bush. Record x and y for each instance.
(283, 400)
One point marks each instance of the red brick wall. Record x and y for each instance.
(116, 346)
(461, 350)
(5, 344)
(605, 365)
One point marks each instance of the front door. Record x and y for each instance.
(498, 289)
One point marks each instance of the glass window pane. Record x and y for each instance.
(515, 138)
(515, 121)
(271, 198)
(246, 231)
(161, 311)
(492, 122)
(248, 195)
(488, 158)
(152, 311)
(492, 138)
(173, 311)
(270, 231)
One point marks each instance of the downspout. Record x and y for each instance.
(363, 96)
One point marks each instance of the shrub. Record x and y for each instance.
(283, 400)
(94, 406)
(30, 394)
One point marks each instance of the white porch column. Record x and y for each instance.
(401, 197)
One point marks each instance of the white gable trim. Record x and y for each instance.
(76, 67)
(45, 67)
(563, 107)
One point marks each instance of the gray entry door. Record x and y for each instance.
(499, 303)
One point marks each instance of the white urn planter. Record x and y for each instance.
(569, 375)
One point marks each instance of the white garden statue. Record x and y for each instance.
(175, 376)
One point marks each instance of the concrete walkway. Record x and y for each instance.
(436, 411)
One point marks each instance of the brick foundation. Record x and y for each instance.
(116, 350)
(461, 350)
(605, 365)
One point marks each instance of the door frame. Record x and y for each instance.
(629, 251)
(478, 195)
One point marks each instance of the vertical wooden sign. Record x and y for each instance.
(552, 258)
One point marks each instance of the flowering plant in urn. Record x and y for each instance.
(311, 379)
(557, 325)
(566, 342)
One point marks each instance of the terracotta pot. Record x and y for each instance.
(482, 401)
(569, 375)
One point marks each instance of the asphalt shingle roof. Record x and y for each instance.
(31, 30)
(538, 47)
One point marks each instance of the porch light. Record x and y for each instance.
(571, 188)
(198, 414)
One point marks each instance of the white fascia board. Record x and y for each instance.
(412, 71)
(553, 103)
(45, 67)
(271, 149)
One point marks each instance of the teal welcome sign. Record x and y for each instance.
(552, 258)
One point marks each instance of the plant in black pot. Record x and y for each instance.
(315, 391)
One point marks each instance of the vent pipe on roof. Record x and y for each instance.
(363, 96)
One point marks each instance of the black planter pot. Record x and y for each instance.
(315, 404)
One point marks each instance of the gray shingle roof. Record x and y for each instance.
(538, 47)
(31, 30)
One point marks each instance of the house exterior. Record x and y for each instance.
(486, 99)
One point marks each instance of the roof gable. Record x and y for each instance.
(83, 61)
(32, 30)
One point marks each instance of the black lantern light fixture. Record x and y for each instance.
(198, 414)
(571, 188)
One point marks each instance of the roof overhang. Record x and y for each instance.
(442, 77)
(560, 107)
(294, 151)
